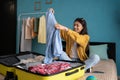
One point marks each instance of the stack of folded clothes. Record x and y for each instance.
(51, 68)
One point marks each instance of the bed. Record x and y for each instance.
(106, 68)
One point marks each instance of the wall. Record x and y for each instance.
(102, 16)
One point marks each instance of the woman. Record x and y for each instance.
(77, 43)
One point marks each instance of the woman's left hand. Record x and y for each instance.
(52, 10)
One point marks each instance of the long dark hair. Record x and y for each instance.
(84, 31)
(84, 24)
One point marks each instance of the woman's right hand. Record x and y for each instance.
(61, 27)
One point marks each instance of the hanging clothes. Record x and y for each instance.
(36, 25)
(28, 29)
(34, 34)
(26, 44)
(42, 30)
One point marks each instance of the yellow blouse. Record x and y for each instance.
(70, 37)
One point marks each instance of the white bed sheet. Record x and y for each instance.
(106, 67)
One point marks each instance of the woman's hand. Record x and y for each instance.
(61, 27)
(58, 26)
(52, 10)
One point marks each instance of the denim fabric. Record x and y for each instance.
(53, 44)
(91, 61)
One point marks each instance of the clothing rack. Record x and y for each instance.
(19, 23)
(24, 14)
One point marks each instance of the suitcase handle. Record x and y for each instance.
(72, 72)
(82, 68)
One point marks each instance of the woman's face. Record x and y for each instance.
(78, 26)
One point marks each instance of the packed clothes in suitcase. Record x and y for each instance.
(30, 66)
(57, 70)
(8, 62)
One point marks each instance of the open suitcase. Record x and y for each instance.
(22, 73)
(6, 63)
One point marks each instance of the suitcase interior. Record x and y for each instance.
(70, 74)
(7, 62)
(11, 63)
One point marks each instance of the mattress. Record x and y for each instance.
(104, 70)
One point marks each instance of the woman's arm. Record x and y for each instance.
(61, 27)
(82, 40)
(63, 31)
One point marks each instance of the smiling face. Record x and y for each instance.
(78, 27)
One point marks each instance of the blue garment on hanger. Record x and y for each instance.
(54, 44)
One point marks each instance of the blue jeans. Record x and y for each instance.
(90, 62)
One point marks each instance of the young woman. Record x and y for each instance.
(77, 41)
